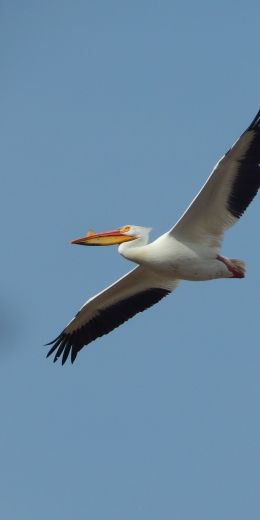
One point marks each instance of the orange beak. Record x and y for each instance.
(107, 238)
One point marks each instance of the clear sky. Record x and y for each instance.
(114, 112)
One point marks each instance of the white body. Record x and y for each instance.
(176, 260)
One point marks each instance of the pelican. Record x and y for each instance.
(188, 251)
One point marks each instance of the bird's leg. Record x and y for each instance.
(235, 267)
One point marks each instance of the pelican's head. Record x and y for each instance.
(117, 236)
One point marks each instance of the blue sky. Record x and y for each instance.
(114, 113)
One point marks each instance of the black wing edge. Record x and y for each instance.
(247, 182)
(103, 323)
(255, 123)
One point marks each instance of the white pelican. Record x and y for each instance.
(189, 251)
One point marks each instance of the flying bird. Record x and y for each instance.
(189, 251)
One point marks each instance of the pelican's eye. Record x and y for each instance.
(125, 229)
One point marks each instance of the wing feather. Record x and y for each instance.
(227, 193)
(135, 292)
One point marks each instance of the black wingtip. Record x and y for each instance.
(65, 353)
(63, 347)
(52, 349)
(53, 341)
(73, 356)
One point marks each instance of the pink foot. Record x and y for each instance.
(235, 267)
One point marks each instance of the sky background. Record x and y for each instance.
(114, 112)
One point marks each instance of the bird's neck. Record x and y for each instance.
(134, 250)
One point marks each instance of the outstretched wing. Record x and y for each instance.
(227, 193)
(133, 293)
